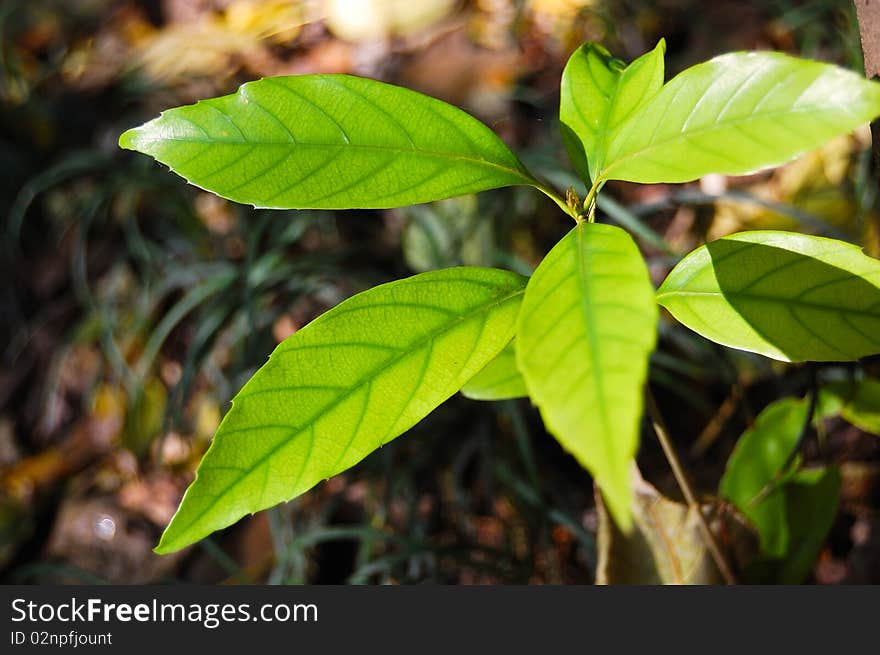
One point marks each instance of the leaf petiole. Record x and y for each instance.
(589, 205)
(555, 197)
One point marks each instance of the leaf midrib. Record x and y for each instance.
(527, 179)
(592, 337)
(709, 128)
(366, 379)
(772, 299)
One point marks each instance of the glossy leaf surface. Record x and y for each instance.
(788, 296)
(597, 93)
(812, 497)
(736, 114)
(328, 142)
(587, 325)
(753, 480)
(350, 381)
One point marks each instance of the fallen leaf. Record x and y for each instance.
(665, 545)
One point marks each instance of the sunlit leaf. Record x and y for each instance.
(328, 142)
(587, 326)
(597, 93)
(499, 380)
(792, 510)
(736, 114)
(350, 381)
(788, 296)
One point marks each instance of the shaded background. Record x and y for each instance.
(134, 306)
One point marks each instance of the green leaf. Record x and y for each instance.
(597, 93)
(811, 500)
(587, 325)
(788, 296)
(350, 381)
(328, 142)
(499, 380)
(791, 510)
(753, 479)
(736, 114)
(857, 401)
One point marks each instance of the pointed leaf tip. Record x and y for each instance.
(787, 296)
(597, 93)
(736, 114)
(128, 139)
(140, 138)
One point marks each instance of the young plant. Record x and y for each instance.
(577, 335)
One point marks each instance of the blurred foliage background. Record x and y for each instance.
(134, 306)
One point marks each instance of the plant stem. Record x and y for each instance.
(577, 213)
(555, 197)
(590, 201)
(690, 497)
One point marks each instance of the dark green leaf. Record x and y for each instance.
(791, 510)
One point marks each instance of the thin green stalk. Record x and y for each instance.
(590, 202)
